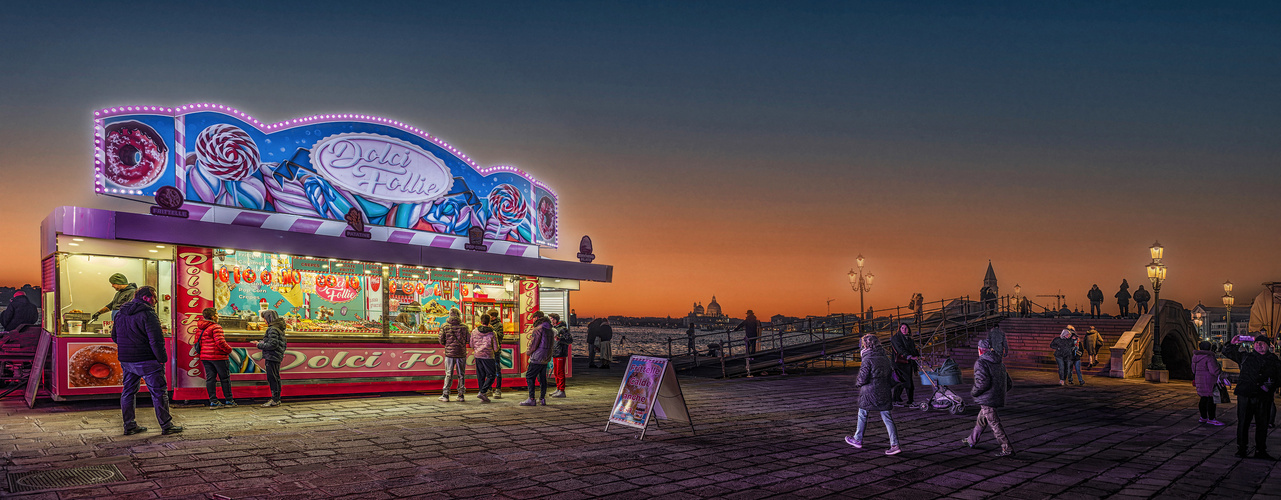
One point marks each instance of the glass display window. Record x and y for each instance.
(420, 298)
(312, 295)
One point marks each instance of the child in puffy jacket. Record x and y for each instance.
(213, 350)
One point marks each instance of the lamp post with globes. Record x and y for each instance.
(1228, 301)
(860, 283)
(1198, 318)
(1156, 273)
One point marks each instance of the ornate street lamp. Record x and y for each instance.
(860, 283)
(1228, 301)
(1156, 273)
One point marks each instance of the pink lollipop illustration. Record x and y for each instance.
(227, 152)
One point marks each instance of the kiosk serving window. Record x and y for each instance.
(84, 286)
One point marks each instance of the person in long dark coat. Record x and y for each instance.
(905, 367)
(1123, 299)
(874, 383)
(991, 382)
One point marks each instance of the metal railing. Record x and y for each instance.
(934, 328)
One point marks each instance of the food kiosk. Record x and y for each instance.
(360, 231)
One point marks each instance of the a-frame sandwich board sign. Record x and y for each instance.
(649, 387)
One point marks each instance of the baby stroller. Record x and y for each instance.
(948, 373)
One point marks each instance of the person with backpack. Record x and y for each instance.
(560, 353)
(273, 347)
(540, 352)
(991, 382)
(212, 347)
(453, 336)
(484, 346)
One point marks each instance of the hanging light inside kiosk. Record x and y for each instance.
(77, 239)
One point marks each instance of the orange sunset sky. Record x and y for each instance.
(716, 152)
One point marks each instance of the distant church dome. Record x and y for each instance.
(698, 309)
(713, 309)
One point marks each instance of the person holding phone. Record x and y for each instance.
(1260, 377)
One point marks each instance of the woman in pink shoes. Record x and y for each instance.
(1206, 375)
(874, 382)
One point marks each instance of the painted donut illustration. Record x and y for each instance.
(95, 366)
(134, 154)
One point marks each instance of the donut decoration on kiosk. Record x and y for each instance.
(134, 155)
(95, 366)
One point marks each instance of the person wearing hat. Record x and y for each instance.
(991, 382)
(20, 312)
(1065, 349)
(751, 328)
(124, 294)
(1259, 379)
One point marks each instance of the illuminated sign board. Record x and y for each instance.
(322, 166)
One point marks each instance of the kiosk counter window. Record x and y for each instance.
(85, 359)
(84, 287)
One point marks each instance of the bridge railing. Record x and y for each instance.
(933, 325)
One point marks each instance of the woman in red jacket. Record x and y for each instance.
(213, 355)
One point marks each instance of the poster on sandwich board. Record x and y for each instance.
(649, 388)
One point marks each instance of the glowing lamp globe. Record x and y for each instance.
(1157, 251)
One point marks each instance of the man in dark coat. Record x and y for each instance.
(1141, 298)
(1096, 301)
(1260, 377)
(751, 328)
(140, 344)
(990, 385)
(20, 312)
(124, 293)
(1123, 299)
(905, 367)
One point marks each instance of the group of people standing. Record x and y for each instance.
(1069, 348)
(550, 341)
(140, 347)
(880, 380)
(1256, 388)
(1141, 298)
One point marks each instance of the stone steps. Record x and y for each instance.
(1029, 340)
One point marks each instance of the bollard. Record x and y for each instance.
(669, 348)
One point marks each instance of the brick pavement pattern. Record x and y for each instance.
(776, 437)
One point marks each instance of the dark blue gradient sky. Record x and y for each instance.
(747, 150)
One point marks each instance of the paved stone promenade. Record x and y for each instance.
(778, 437)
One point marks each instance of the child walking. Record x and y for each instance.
(874, 382)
